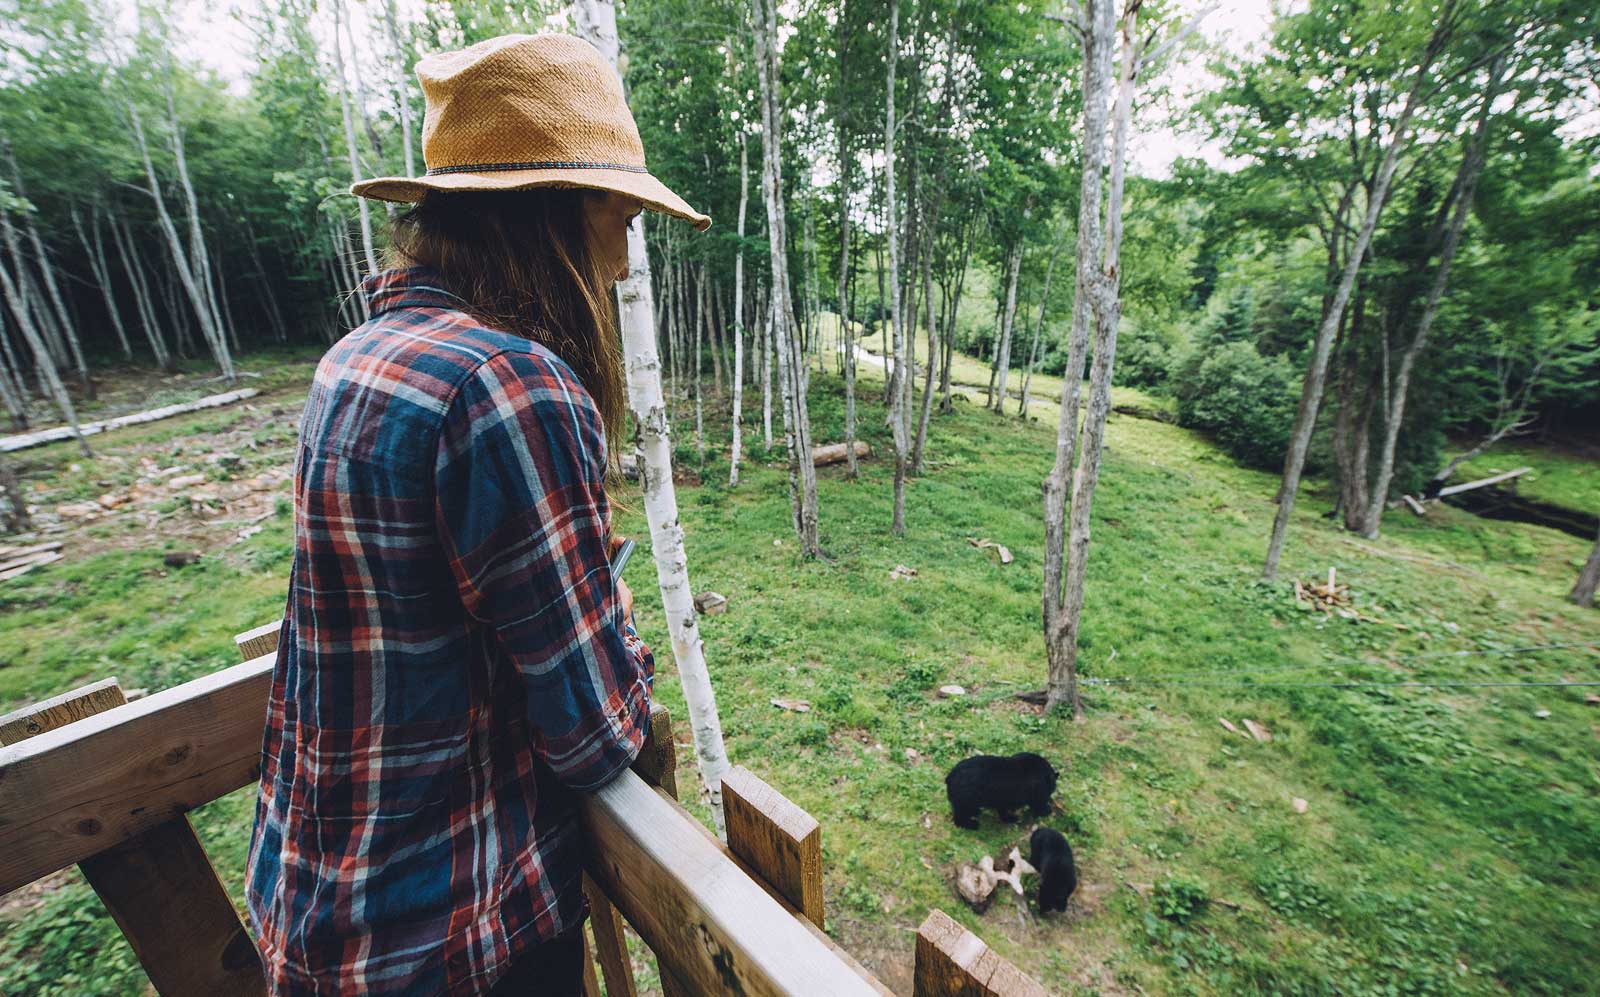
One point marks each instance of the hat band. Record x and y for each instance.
(544, 165)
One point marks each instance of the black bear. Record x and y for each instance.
(1004, 784)
(1049, 853)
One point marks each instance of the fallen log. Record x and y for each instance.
(1483, 482)
(59, 433)
(834, 453)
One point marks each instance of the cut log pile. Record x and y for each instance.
(1334, 599)
(208, 494)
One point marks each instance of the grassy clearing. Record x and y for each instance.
(1451, 840)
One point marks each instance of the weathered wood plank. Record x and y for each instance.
(158, 885)
(73, 792)
(261, 640)
(58, 711)
(591, 986)
(953, 962)
(706, 920)
(610, 943)
(163, 893)
(775, 837)
(657, 763)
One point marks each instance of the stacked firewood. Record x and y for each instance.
(1335, 599)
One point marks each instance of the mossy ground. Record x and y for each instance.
(1452, 838)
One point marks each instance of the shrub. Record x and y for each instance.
(1245, 399)
(1179, 899)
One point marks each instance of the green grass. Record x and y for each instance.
(1452, 841)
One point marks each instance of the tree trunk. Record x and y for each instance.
(187, 272)
(1038, 330)
(1466, 184)
(350, 135)
(765, 317)
(402, 90)
(1003, 353)
(597, 22)
(702, 318)
(846, 345)
(1588, 579)
(897, 374)
(211, 325)
(791, 373)
(1305, 421)
(52, 290)
(122, 238)
(95, 251)
(738, 314)
(19, 311)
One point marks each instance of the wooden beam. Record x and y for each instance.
(75, 791)
(953, 962)
(778, 839)
(711, 926)
(157, 885)
(610, 943)
(261, 640)
(58, 711)
(657, 763)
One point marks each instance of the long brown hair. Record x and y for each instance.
(521, 259)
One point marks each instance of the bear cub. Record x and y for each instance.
(1000, 783)
(1049, 853)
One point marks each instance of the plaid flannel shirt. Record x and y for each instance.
(453, 663)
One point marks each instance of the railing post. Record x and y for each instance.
(776, 838)
(158, 885)
(953, 962)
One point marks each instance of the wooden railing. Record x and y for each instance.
(91, 779)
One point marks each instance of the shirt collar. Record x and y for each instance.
(409, 287)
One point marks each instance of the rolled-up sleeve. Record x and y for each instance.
(522, 515)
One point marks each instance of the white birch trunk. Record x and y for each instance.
(1007, 323)
(96, 253)
(42, 360)
(597, 22)
(898, 375)
(738, 315)
(123, 240)
(402, 88)
(1038, 330)
(350, 135)
(765, 318)
(791, 363)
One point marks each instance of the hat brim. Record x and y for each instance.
(655, 194)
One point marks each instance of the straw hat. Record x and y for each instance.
(523, 111)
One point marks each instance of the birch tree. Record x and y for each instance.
(738, 315)
(1098, 298)
(786, 347)
(596, 22)
(1588, 579)
(899, 376)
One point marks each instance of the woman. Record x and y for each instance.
(457, 659)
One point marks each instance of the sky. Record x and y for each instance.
(214, 37)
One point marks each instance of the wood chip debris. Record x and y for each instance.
(792, 705)
(987, 544)
(901, 572)
(1258, 732)
(951, 691)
